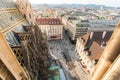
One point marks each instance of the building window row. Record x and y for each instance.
(49, 23)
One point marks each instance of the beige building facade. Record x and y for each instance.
(52, 27)
(75, 29)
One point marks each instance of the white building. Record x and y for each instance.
(76, 28)
(52, 27)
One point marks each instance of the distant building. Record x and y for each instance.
(60, 14)
(50, 13)
(65, 20)
(90, 47)
(76, 28)
(103, 23)
(52, 27)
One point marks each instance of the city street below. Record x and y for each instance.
(64, 51)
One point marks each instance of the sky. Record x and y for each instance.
(113, 3)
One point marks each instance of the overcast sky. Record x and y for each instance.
(114, 3)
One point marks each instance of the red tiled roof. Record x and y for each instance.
(85, 38)
(96, 51)
(97, 37)
(49, 21)
(94, 44)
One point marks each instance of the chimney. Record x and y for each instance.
(91, 35)
(103, 35)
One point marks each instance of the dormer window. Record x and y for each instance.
(49, 22)
(86, 48)
(95, 61)
(57, 22)
(52, 22)
(88, 53)
(83, 40)
(103, 44)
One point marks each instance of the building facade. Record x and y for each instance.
(52, 27)
(90, 47)
(76, 28)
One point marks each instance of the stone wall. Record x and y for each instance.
(33, 52)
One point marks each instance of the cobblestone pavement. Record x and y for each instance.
(57, 48)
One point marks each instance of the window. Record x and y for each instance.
(24, 15)
(86, 48)
(54, 22)
(57, 22)
(22, 8)
(95, 61)
(49, 22)
(29, 15)
(88, 53)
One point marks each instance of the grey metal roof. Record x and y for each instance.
(10, 37)
(8, 18)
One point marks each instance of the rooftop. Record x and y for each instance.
(79, 23)
(94, 43)
(96, 51)
(85, 38)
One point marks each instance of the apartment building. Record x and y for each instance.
(50, 13)
(65, 20)
(76, 28)
(90, 47)
(52, 27)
